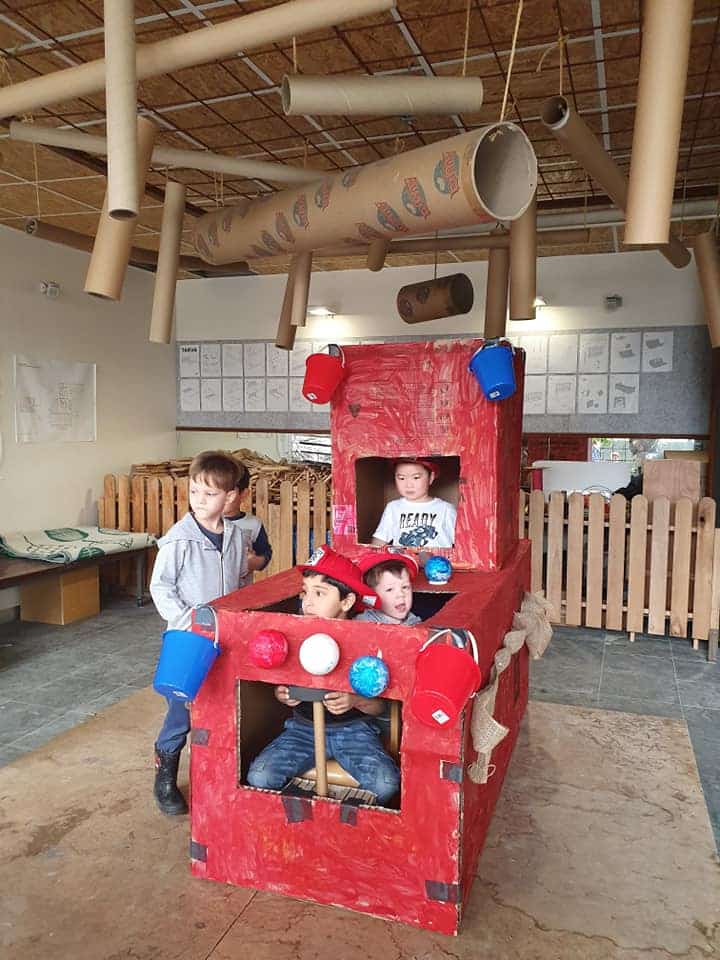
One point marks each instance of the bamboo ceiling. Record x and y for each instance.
(234, 107)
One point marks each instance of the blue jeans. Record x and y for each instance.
(175, 728)
(355, 745)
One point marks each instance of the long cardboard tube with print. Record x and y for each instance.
(496, 293)
(113, 240)
(245, 33)
(168, 262)
(666, 29)
(434, 299)
(707, 262)
(486, 175)
(167, 156)
(121, 109)
(582, 144)
(523, 264)
(354, 95)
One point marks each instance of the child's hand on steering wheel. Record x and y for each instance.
(283, 695)
(338, 702)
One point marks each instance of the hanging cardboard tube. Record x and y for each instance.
(707, 262)
(113, 240)
(666, 29)
(348, 96)
(377, 251)
(435, 299)
(582, 144)
(486, 175)
(168, 262)
(523, 264)
(302, 268)
(121, 109)
(167, 156)
(285, 337)
(246, 33)
(496, 293)
(139, 256)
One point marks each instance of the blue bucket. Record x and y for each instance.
(492, 364)
(185, 659)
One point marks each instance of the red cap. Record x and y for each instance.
(374, 557)
(332, 564)
(430, 465)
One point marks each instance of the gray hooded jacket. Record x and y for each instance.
(189, 571)
(377, 616)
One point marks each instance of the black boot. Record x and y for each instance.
(167, 796)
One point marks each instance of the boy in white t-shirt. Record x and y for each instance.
(416, 519)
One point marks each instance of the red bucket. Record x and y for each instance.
(323, 374)
(446, 677)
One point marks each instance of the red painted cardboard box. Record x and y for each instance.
(415, 861)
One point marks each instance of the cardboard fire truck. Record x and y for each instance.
(413, 860)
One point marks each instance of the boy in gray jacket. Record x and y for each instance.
(391, 576)
(202, 557)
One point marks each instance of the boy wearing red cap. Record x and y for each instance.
(332, 587)
(391, 576)
(416, 519)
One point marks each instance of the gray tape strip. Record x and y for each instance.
(199, 737)
(198, 851)
(297, 809)
(451, 771)
(348, 814)
(444, 892)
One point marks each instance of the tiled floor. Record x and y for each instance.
(51, 678)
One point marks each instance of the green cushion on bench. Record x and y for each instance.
(66, 544)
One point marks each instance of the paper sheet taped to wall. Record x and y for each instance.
(54, 401)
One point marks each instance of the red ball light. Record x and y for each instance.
(269, 648)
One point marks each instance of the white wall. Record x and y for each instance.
(274, 445)
(52, 484)
(654, 294)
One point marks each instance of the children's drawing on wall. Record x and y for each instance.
(625, 352)
(277, 361)
(277, 393)
(233, 394)
(232, 360)
(561, 390)
(210, 360)
(254, 393)
(657, 351)
(594, 352)
(210, 395)
(624, 393)
(535, 391)
(189, 354)
(592, 393)
(190, 394)
(254, 359)
(563, 353)
(535, 348)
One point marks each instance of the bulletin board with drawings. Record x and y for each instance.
(610, 381)
(617, 381)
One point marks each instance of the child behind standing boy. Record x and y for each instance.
(260, 551)
(416, 519)
(391, 576)
(202, 557)
(332, 587)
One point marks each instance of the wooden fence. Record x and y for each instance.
(645, 568)
(296, 518)
(641, 567)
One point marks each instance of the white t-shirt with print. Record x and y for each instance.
(405, 523)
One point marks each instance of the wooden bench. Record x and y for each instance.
(64, 592)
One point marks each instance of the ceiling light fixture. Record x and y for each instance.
(539, 302)
(320, 312)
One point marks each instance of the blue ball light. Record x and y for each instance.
(369, 676)
(438, 569)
